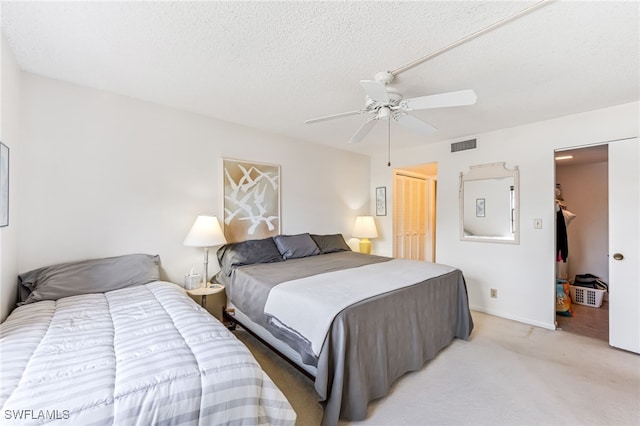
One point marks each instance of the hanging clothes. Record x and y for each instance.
(568, 216)
(562, 243)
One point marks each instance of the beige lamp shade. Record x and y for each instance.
(364, 229)
(205, 232)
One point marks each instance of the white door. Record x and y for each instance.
(624, 242)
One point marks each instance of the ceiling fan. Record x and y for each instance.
(384, 102)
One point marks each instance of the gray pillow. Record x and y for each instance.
(330, 243)
(89, 276)
(295, 246)
(232, 255)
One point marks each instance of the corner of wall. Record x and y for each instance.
(10, 120)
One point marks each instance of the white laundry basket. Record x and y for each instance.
(587, 296)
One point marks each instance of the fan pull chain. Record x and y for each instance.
(389, 142)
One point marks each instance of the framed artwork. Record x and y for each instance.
(381, 201)
(251, 200)
(480, 207)
(4, 185)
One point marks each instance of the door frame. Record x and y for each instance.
(607, 143)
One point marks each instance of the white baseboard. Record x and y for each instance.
(513, 318)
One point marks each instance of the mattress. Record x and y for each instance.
(145, 354)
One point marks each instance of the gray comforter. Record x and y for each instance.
(401, 329)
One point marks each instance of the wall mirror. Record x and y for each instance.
(489, 209)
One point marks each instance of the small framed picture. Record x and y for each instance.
(480, 207)
(381, 201)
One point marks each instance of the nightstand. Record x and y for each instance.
(212, 298)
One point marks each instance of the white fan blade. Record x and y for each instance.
(449, 99)
(331, 117)
(363, 130)
(413, 123)
(376, 91)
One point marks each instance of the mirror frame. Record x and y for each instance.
(492, 171)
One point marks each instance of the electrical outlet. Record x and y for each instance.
(494, 293)
(537, 223)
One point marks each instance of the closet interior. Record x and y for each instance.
(582, 268)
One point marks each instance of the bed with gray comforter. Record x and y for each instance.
(369, 343)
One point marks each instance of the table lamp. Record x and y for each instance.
(364, 229)
(205, 232)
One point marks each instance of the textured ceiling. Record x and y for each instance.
(273, 65)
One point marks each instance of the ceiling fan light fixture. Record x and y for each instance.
(383, 113)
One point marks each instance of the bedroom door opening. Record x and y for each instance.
(581, 197)
(414, 212)
(619, 254)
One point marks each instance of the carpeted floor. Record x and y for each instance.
(508, 373)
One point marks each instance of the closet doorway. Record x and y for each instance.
(614, 257)
(582, 198)
(414, 212)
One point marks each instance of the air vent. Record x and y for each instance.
(464, 145)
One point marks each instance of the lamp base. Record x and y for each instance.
(365, 246)
(205, 277)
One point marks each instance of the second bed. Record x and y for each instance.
(353, 322)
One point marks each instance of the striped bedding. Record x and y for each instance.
(137, 356)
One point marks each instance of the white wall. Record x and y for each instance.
(106, 175)
(10, 135)
(523, 274)
(585, 191)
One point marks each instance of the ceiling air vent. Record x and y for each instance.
(464, 145)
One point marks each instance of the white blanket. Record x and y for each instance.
(307, 306)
